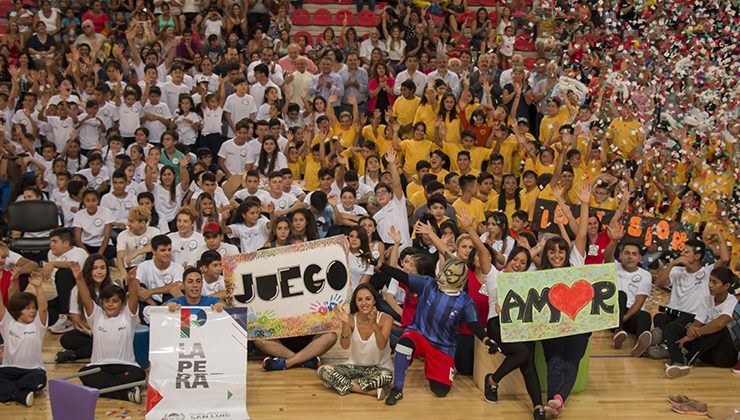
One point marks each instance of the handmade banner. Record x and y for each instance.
(290, 291)
(666, 235)
(543, 219)
(199, 364)
(536, 305)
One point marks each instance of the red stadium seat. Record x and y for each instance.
(3, 28)
(462, 44)
(345, 13)
(524, 42)
(345, 2)
(529, 63)
(367, 18)
(473, 2)
(488, 3)
(321, 1)
(300, 33)
(493, 16)
(322, 17)
(301, 17)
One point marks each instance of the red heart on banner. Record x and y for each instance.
(570, 300)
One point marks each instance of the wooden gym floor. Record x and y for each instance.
(619, 387)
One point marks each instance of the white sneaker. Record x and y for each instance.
(677, 371)
(63, 324)
(134, 395)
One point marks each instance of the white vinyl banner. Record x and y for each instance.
(198, 364)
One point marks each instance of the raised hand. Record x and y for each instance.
(395, 235)
(615, 230)
(466, 220)
(75, 268)
(341, 314)
(584, 194)
(390, 156)
(36, 279)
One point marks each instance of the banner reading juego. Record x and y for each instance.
(199, 364)
(536, 305)
(292, 290)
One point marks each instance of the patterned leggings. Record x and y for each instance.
(343, 377)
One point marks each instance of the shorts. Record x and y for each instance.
(438, 366)
(296, 344)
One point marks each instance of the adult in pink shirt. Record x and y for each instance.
(293, 54)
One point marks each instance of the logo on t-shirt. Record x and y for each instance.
(193, 244)
(175, 161)
(167, 278)
(98, 222)
(143, 240)
(127, 205)
(243, 153)
(159, 110)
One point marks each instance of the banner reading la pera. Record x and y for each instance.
(199, 364)
(537, 305)
(290, 291)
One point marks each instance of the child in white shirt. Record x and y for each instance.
(186, 241)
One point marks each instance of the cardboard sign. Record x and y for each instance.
(199, 364)
(666, 235)
(290, 291)
(537, 305)
(543, 219)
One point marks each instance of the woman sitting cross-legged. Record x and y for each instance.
(365, 331)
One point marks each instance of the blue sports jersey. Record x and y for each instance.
(204, 301)
(438, 314)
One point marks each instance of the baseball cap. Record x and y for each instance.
(522, 120)
(200, 79)
(211, 227)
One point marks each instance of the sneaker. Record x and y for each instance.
(312, 363)
(63, 324)
(134, 395)
(490, 392)
(679, 399)
(555, 406)
(539, 414)
(394, 396)
(658, 352)
(736, 369)
(692, 407)
(677, 371)
(273, 363)
(382, 393)
(657, 334)
(691, 357)
(66, 356)
(618, 339)
(643, 342)
(25, 398)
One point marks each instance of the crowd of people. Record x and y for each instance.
(171, 133)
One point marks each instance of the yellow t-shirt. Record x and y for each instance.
(413, 188)
(296, 168)
(492, 201)
(610, 203)
(546, 194)
(415, 151)
(417, 199)
(528, 198)
(311, 178)
(474, 172)
(404, 110)
(367, 133)
(426, 114)
(510, 151)
(475, 209)
(478, 155)
(453, 131)
(440, 175)
(625, 135)
(548, 127)
(450, 196)
(348, 136)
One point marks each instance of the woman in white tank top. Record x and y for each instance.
(365, 331)
(50, 16)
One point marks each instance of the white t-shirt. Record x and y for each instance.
(239, 108)
(185, 249)
(284, 202)
(213, 288)
(235, 156)
(113, 338)
(357, 269)
(171, 94)
(635, 283)
(263, 195)
(219, 197)
(69, 208)
(498, 245)
(94, 181)
(393, 214)
(129, 118)
(92, 225)
(490, 288)
(23, 342)
(354, 211)
(61, 129)
(151, 277)
(212, 120)
(688, 290)
(74, 254)
(156, 128)
(709, 310)
(185, 131)
(224, 249)
(12, 260)
(108, 113)
(251, 238)
(164, 205)
(128, 242)
(119, 207)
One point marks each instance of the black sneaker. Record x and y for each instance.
(490, 392)
(24, 398)
(134, 395)
(66, 356)
(539, 414)
(394, 397)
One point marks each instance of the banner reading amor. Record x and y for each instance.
(536, 305)
(199, 364)
(290, 291)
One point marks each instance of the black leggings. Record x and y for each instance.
(661, 320)
(112, 375)
(638, 323)
(465, 354)
(78, 342)
(563, 355)
(518, 356)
